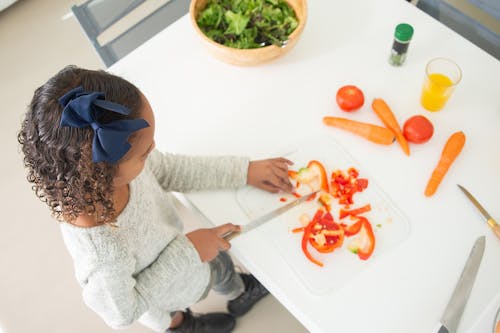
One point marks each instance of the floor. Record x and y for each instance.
(37, 286)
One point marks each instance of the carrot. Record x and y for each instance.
(374, 133)
(451, 150)
(383, 111)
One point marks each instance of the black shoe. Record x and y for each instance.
(207, 323)
(254, 291)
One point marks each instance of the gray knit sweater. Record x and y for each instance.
(146, 268)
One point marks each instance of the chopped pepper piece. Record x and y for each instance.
(329, 236)
(343, 187)
(353, 229)
(364, 244)
(322, 232)
(354, 212)
(307, 235)
(314, 176)
(326, 200)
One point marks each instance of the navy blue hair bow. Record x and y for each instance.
(82, 109)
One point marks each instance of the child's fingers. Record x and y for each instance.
(281, 172)
(281, 181)
(226, 228)
(224, 245)
(282, 163)
(267, 186)
(286, 160)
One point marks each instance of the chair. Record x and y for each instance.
(476, 20)
(98, 16)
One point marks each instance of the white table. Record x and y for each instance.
(204, 106)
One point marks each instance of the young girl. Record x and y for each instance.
(88, 144)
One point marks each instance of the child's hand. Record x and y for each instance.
(208, 242)
(270, 175)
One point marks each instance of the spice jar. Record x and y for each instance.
(402, 37)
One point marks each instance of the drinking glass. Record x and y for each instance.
(441, 77)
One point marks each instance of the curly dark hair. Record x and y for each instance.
(59, 159)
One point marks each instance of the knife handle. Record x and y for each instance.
(496, 229)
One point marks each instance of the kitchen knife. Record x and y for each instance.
(456, 305)
(267, 217)
(489, 219)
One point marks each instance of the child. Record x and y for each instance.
(88, 145)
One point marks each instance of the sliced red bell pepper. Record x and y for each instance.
(326, 219)
(314, 176)
(307, 235)
(318, 168)
(361, 184)
(292, 174)
(305, 240)
(331, 242)
(341, 180)
(322, 233)
(326, 200)
(317, 216)
(353, 172)
(364, 245)
(343, 187)
(353, 212)
(329, 233)
(353, 229)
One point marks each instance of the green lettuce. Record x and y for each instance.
(247, 24)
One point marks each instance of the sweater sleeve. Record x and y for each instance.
(187, 173)
(121, 298)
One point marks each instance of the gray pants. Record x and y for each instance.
(223, 278)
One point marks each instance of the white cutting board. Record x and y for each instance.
(390, 226)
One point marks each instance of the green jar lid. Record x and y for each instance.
(403, 32)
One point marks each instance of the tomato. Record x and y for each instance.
(350, 98)
(418, 129)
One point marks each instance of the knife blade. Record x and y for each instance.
(267, 217)
(456, 305)
(495, 227)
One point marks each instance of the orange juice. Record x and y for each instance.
(436, 91)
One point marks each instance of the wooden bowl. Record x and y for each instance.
(249, 57)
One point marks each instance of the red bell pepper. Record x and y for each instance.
(353, 172)
(364, 244)
(322, 233)
(329, 234)
(314, 176)
(305, 239)
(294, 175)
(333, 239)
(353, 212)
(353, 229)
(361, 184)
(318, 168)
(343, 187)
(326, 200)
(307, 235)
